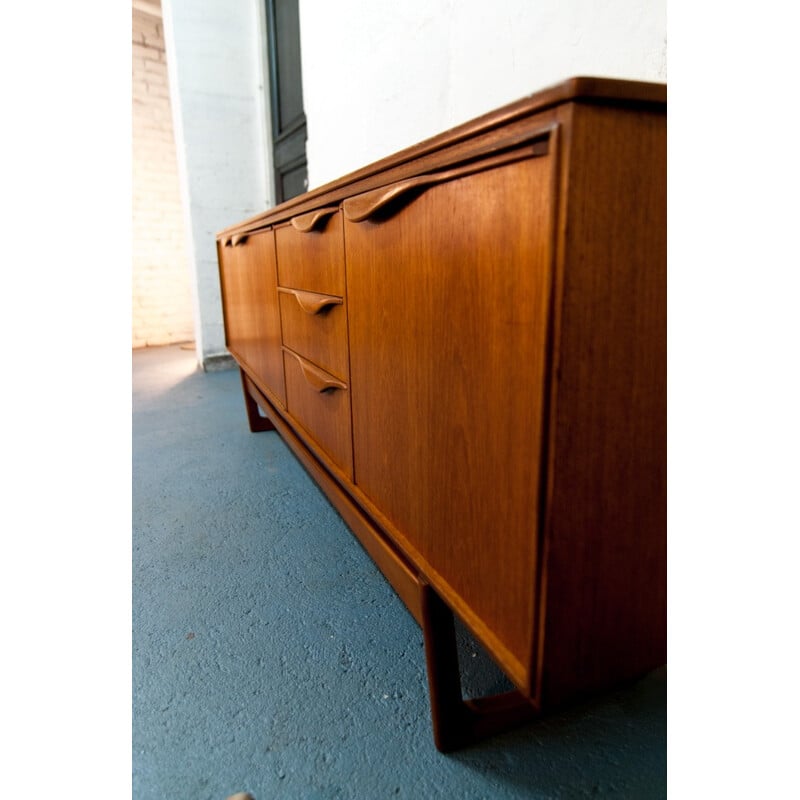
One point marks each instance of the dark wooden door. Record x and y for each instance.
(286, 99)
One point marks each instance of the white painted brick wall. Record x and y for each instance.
(161, 288)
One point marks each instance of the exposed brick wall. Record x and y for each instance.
(162, 304)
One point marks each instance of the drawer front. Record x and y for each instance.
(320, 402)
(315, 326)
(312, 257)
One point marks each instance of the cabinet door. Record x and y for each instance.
(448, 299)
(250, 305)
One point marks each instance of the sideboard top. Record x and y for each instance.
(607, 91)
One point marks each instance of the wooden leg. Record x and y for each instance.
(255, 420)
(458, 722)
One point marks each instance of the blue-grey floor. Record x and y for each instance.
(270, 656)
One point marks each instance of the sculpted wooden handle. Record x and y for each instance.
(311, 302)
(363, 206)
(315, 377)
(307, 222)
(239, 238)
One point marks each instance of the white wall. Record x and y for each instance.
(380, 75)
(216, 61)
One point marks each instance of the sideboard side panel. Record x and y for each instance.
(605, 548)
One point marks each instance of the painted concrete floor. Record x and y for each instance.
(270, 656)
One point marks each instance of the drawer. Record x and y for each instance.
(320, 402)
(310, 252)
(315, 325)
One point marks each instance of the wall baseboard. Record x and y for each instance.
(218, 363)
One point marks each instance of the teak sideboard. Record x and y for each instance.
(465, 346)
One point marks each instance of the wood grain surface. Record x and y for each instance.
(484, 398)
(321, 404)
(605, 569)
(319, 336)
(250, 308)
(448, 302)
(314, 259)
